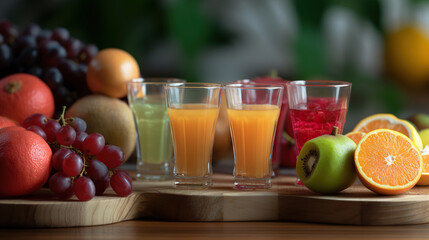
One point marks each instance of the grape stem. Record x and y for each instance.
(62, 118)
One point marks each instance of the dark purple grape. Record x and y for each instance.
(77, 123)
(58, 158)
(84, 188)
(38, 130)
(51, 53)
(32, 29)
(72, 165)
(96, 170)
(93, 144)
(66, 135)
(1, 39)
(112, 156)
(36, 71)
(53, 78)
(60, 35)
(61, 185)
(73, 47)
(68, 69)
(78, 142)
(43, 36)
(23, 43)
(9, 31)
(28, 57)
(87, 53)
(5, 55)
(121, 185)
(101, 185)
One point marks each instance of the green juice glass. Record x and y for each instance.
(155, 156)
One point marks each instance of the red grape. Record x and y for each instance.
(61, 185)
(32, 29)
(66, 135)
(51, 128)
(58, 158)
(84, 188)
(36, 119)
(101, 185)
(96, 170)
(121, 185)
(72, 165)
(39, 131)
(78, 142)
(77, 123)
(125, 173)
(111, 155)
(93, 144)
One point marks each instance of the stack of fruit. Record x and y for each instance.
(385, 152)
(54, 56)
(43, 71)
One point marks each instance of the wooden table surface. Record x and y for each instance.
(142, 229)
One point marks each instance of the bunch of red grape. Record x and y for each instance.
(52, 55)
(84, 166)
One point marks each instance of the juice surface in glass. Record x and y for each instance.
(193, 127)
(252, 128)
(153, 130)
(317, 119)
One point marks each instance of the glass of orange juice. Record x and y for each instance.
(253, 112)
(193, 109)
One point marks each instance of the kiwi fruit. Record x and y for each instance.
(326, 163)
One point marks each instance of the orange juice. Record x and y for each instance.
(252, 128)
(193, 127)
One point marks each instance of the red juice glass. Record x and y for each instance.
(316, 106)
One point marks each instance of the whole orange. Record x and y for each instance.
(25, 161)
(109, 71)
(22, 95)
(6, 122)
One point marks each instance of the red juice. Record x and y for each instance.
(316, 118)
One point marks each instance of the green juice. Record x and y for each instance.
(153, 132)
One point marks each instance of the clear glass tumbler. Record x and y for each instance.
(253, 112)
(193, 110)
(146, 97)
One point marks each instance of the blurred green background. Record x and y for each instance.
(381, 46)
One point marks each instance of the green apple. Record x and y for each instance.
(326, 163)
(420, 120)
(424, 135)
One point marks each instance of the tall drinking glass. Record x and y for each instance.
(193, 109)
(253, 112)
(316, 106)
(146, 97)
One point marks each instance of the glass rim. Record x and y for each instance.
(155, 80)
(202, 85)
(255, 86)
(318, 83)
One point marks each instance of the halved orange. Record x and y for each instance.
(424, 179)
(388, 162)
(389, 121)
(355, 136)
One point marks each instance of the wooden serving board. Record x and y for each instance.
(285, 201)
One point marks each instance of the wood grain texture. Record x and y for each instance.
(159, 200)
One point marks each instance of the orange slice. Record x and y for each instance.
(389, 121)
(388, 162)
(355, 136)
(424, 179)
